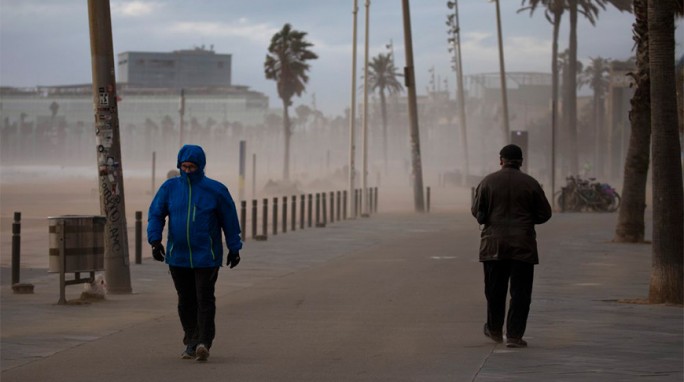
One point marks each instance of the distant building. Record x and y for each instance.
(50, 119)
(178, 69)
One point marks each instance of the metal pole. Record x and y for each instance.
(109, 161)
(138, 237)
(16, 248)
(410, 78)
(502, 72)
(352, 112)
(364, 175)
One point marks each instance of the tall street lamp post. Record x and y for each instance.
(455, 40)
(352, 116)
(364, 175)
(502, 71)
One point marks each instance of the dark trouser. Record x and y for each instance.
(497, 276)
(196, 303)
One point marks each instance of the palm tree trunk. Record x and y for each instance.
(571, 90)
(667, 272)
(630, 225)
(288, 134)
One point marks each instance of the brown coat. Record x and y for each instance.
(509, 203)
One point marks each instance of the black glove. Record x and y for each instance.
(158, 251)
(233, 259)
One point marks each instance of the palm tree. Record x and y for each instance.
(595, 75)
(286, 63)
(554, 12)
(590, 10)
(667, 272)
(630, 226)
(382, 77)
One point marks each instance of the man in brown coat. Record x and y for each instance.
(509, 203)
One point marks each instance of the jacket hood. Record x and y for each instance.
(194, 154)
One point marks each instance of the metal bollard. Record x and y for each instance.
(16, 247)
(275, 216)
(294, 212)
(309, 213)
(17, 286)
(376, 199)
(264, 230)
(138, 237)
(344, 204)
(370, 200)
(254, 218)
(318, 209)
(301, 212)
(338, 205)
(284, 214)
(243, 218)
(332, 207)
(428, 199)
(324, 210)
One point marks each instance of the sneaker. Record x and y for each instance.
(496, 337)
(189, 353)
(516, 343)
(202, 352)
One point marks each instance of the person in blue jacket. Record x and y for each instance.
(198, 209)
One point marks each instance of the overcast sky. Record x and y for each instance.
(46, 42)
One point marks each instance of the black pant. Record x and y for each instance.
(196, 303)
(497, 275)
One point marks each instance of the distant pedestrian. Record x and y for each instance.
(509, 203)
(198, 209)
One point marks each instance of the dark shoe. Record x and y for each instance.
(516, 343)
(202, 352)
(496, 337)
(189, 352)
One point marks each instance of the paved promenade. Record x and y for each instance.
(394, 297)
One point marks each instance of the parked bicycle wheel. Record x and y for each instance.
(615, 203)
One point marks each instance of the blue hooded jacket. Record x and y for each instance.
(198, 209)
